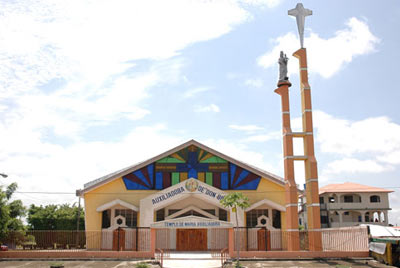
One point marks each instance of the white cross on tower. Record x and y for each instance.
(300, 13)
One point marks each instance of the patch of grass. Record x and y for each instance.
(142, 265)
(238, 265)
(56, 265)
(342, 266)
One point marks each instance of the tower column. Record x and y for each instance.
(311, 170)
(291, 197)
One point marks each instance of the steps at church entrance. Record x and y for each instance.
(191, 259)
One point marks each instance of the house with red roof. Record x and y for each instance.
(350, 204)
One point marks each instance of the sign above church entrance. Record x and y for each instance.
(191, 186)
(191, 222)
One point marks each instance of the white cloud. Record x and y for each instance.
(242, 152)
(260, 138)
(370, 145)
(394, 214)
(45, 167)
(247, 128)
(254, 82)
(209, 108)
(391, 157)
(91, 41)
(353, 165)
(195, 91)
(326, 56)
(266, 3)
(378, 135)
(68, 113)
(92, 49)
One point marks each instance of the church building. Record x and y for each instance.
(180, 191)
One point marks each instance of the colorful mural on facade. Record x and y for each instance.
(191, 162)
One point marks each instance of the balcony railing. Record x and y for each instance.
(349, 224)
(358, 206)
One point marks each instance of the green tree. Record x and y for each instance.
(11, 213)
(235, 200)
(55, 217)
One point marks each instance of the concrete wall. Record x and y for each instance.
(365, 201)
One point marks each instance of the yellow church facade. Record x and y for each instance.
(179, 191)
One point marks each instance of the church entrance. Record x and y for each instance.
(191, 239)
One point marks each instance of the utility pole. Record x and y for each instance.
(77, 221)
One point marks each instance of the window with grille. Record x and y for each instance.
(160, 214)
(252, 216)
(348, 199)
(375, 199)
(129, 215)
(210, 211)
(106, 218)
(223, 214)
(276, 219)
(172, 211)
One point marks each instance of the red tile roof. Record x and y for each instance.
(349, 187)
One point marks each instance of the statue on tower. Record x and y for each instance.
(283, 61)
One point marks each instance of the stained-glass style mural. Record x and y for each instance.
(191, 162)
(242, 179)
(142, 179)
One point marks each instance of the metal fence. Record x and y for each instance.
(345, 239)
(122, 239)
(139, 239)
(217, 239)
(261, 239)
(333, 239)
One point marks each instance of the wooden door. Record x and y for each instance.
(263, 239)
(191, 239)
(119, 239)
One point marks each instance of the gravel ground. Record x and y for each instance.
(313, 263)
(71, 264)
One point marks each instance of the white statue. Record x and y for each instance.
(283, 61)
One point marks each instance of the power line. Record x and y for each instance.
(20, 192)
(138, 192)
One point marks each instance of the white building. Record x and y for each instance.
(349, 204)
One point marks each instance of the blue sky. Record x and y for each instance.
(87, 88)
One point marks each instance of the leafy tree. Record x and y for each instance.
(55, 217)
(235, 200)
(11, 213)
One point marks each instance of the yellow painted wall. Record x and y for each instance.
(267, 190)
(116, 190)
(106, 193)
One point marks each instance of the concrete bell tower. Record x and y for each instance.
(310, 162)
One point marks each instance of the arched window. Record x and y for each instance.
(375, 199)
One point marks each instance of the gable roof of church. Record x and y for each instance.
(122, 172)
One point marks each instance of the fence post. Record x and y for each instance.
(119, 230)
(137, 238)
(231, 242)
(247, 239)
(266, 238)
(153, 241)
